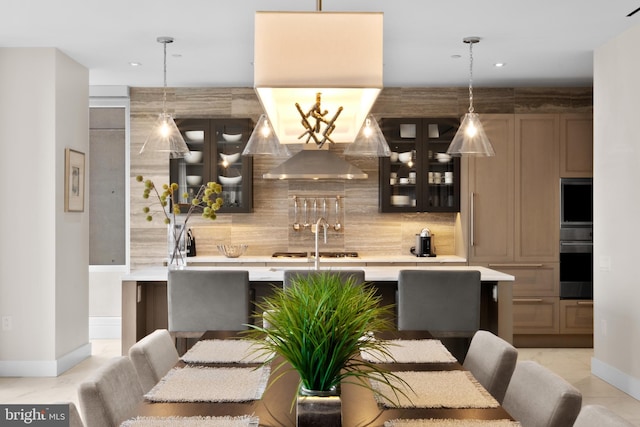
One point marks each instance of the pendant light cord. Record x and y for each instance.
(471, 77)
(164, 90)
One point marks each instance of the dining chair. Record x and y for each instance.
(290, 275)
(491, 360)
(538, 397)
(599, 416)
(153, 356)
(207, 300)
(443, 302)
(111, 394)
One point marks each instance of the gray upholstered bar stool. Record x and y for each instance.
(538, 397)
(207, 300)
(443, 302)
(356, 275)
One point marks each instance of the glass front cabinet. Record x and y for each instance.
(419, 176)
(216, 155)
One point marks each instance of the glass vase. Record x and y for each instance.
(176, 245)
(318, 408)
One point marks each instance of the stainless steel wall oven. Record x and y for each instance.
(576, 238)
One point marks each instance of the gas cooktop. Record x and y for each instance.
(321, 254)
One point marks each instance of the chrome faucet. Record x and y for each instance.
(321, 222)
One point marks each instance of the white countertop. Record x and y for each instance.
(275, 273)
(360, 260)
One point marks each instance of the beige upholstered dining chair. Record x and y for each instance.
(153, 356)
(290, 275)
(111, 394)
(74, 416)
(538, 397)
(599, 416)
(491, 360)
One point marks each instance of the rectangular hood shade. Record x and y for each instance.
(315, 164)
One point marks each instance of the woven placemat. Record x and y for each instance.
(241, 421)
(450, 423)
(205, 384)
(411, 351)
(435, 389)
(225, 351)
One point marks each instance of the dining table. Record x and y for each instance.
(360, 407)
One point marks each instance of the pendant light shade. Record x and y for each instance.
(470, 139)
(165, 137)
(369, 142)
(263, 141)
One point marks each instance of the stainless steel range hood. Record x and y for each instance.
(315, 164)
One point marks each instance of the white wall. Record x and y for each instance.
(617, 213)
(44, 262)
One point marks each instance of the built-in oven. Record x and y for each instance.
(576, 238)
(576, 263)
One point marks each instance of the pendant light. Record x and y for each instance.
(369, 142)
(470, 139)
(165, 136)
(263, 141)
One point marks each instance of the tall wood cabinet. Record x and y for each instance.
(514, 210)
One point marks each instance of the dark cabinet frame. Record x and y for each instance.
(211, 166)
(415, 135)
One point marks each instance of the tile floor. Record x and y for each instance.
(571, 364)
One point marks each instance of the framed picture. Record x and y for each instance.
(73, 181)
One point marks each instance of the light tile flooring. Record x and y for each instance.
(571, 364)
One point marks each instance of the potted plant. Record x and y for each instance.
(319, 325)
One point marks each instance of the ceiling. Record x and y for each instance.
(542, 42)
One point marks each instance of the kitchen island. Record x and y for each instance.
(144, 299)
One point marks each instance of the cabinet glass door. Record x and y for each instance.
(216, 146)
(228, 167)
(419, 176)
(443, 171)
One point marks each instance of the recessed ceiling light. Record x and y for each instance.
(456, 56)
(135, 64)
(177, 55)
(499, 64)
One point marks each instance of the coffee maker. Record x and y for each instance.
(424, 244)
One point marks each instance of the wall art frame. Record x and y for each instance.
(74, 180)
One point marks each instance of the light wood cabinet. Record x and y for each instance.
(535, 315)
(576, 317)
(514, 214)
(576, 145)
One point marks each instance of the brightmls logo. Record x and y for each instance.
(34, 415)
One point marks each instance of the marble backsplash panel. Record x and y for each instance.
(269, 227)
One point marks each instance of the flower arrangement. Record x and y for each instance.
(206, 200)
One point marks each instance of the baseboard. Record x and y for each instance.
(45, 368)
(616, 377)
(105, 328)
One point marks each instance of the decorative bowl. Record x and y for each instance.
(405, 157)
(443, 157)
(195, 135)
(232, 137)
(194, 179)
(229, 179)
(230, 158)
(193, 157)
(232, 251)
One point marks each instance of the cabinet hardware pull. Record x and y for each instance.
(527, 300)
(516, 265)
(473, 219)
(585, 302)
